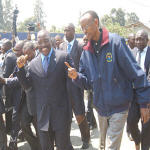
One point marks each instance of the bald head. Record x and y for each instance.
(28, 49)
(6, 45)
(58, 40)
(42, 33)
(44, 42)
(131, 40)
(28, 45)
(141, 39)
(70, 25)
(143, 33)
(89, 22)
(69, 32)
(20, 44)
(18, 49)
(91, 14)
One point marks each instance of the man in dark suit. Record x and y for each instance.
(3, 135)
(47, 77)
(143, 58)
(73, 47)
(8, 68)
(22, 112)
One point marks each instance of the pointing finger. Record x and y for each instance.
(67, 64)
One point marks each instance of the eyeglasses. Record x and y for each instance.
(87, 26)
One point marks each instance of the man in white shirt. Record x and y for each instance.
(143, 58)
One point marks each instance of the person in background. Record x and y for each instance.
(9, 64)
(143, 59)
(58, 40)
(131, 44)
(76, 95)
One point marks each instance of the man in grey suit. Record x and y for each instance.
(47, 77)
(73, 47)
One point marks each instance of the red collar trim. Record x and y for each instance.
(105, 40)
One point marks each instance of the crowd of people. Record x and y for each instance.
(42, 83)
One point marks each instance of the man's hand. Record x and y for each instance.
(72, 73)
(2, 80)
(145, 114)
(21, 61)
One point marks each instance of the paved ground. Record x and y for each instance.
(76, 141)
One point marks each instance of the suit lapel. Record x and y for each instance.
(39, 67)
(147, 59)
(73, 51)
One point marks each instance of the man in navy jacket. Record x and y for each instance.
(109, 69)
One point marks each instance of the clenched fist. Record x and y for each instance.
(72, 73)
(21, 61)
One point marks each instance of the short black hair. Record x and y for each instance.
(93, 14)
(8, 43)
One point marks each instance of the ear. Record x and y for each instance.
(96, 22)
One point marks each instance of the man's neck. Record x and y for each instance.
(96, 38)
(141, 50)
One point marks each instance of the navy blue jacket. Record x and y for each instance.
(111, 74)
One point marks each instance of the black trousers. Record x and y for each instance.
(61, 138)
(15, 124)
(26, 120)
(132, 123)
(90, 115)
(3, 136)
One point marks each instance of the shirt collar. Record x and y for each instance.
(144, 50)
(105, 40)
(72, 42)
(8, 51)
(49, 55)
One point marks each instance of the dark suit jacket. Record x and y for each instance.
(52, 104)
(8, 68)
(75, 93)
(147, 60)
(75, 52)
(16, 96)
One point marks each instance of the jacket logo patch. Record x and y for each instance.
(109, 57)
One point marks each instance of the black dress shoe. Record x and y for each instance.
(85, 145)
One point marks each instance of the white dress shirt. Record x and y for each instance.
(142, 60)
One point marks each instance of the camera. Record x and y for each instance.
(31, 27)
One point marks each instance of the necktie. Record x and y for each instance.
(139, 58)
(45, 66)
(69, 48)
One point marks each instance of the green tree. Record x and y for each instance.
(117, 28)
(120, 16)
(132, 18)
(39, 13)
(7, 15)
(1, 16)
